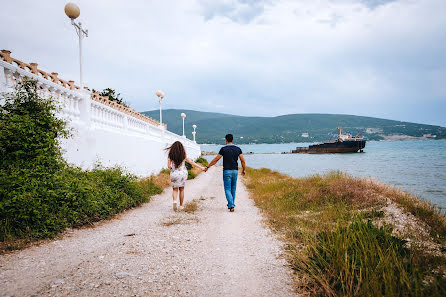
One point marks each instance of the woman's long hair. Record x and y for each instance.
(177, 153)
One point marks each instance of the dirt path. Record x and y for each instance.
(212, 252)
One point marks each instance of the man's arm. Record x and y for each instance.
(242, 160)
(215, 160)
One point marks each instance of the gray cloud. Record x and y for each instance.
(385, 62)
(239, 11)
(375, 3)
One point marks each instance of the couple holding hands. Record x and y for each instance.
(178, 172)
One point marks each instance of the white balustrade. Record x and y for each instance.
(102, 132)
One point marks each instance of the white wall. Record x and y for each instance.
(102, 133)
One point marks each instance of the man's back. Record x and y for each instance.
(230, 155)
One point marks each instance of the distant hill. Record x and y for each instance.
(211, 127)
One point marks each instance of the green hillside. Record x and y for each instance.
(289, 128)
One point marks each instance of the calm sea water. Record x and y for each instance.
(418, 167)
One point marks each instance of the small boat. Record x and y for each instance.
(344, 144)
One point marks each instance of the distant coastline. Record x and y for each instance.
(292, 128)
(394, 138)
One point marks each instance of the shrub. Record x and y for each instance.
(165, 171)
(40, 194)
(30, 132)
(191, 174)
(202, 161)
(191, 206)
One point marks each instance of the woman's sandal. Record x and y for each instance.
(174, 206)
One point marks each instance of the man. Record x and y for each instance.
(230, 154)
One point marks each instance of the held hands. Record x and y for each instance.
(243, 172)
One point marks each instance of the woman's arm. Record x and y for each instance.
(194, 164)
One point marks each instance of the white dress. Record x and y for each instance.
(178, 176)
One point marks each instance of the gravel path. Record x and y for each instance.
(152, 251)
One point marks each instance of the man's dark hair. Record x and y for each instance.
(229, 137)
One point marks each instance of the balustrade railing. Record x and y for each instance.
(83, 105)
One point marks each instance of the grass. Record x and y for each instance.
(193, 172)
(161, 180)
(99, 194)
(179, 220)
(335, 245)
(420, 208)
(202, 161)
(172, 221)
(191, 206)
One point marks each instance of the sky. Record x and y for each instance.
(378, 58)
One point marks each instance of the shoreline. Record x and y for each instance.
(415, 139)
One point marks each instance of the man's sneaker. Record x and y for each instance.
(231, 209)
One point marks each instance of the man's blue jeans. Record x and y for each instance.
(230, 184)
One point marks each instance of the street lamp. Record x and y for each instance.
(72, 11)
(183, 115)
(193, 133)
(160, 95)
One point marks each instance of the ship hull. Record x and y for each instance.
(348, 146)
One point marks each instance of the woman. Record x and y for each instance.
(178, 171)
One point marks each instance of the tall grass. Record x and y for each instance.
(334, 245)
(363, 260)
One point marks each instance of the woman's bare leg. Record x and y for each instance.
(174, 196)
(181, 196)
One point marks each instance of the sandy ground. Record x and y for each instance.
(153, 251)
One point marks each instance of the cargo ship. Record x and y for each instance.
(344, 144)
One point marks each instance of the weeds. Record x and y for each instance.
(162, 179)
(420, 208)
(177, 220)
(202, 161)
(172, 221)
(363, 260)
(191, 207)
(193, 172)
(333, 243)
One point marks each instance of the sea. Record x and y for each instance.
(418, 167)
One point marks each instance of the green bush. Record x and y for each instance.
(191, 175)
(40, 194)
(165, 170)
(202, 161)
(29, 131)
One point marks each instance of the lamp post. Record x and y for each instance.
(72, 11)
(183, 115)
(193, 133)
(160, 95)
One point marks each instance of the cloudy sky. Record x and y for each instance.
(377, 58)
